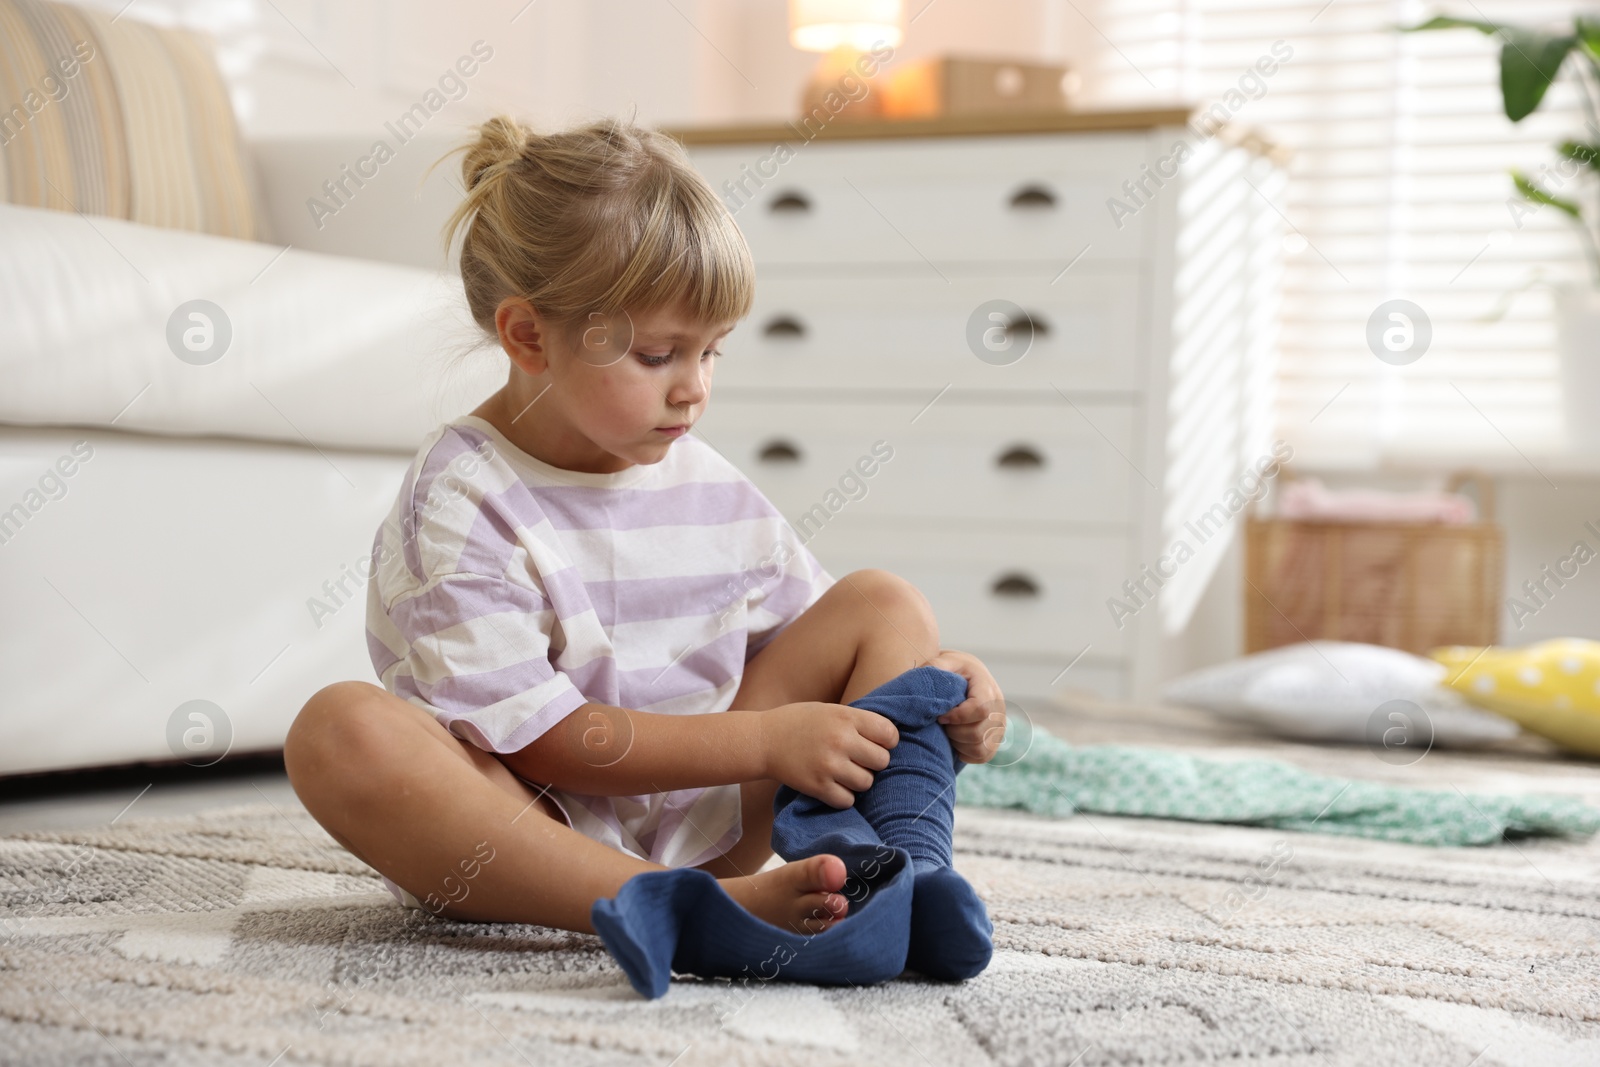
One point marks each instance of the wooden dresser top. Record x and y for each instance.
(957, 126)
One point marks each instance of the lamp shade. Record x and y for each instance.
(823, 25)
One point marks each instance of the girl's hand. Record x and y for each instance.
(827, 751)
(977, 725)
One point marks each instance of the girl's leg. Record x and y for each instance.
(869, 627)
(441, 817)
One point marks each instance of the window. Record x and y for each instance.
(1398, 187)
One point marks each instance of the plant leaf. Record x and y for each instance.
(1528, 64)
(1532, 192)
(1587, 154)
(1588, 30)
(1529, 60)
(1446, 22)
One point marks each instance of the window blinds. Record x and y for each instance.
(1398, 188)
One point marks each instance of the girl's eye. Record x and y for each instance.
(650, 360)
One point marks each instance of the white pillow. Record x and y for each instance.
(1332, 691)
(326, 350)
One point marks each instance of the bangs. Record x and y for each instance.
(688, 253)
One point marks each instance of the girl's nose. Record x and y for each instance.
(690, 387)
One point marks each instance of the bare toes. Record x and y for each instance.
(826, 873)
(820, 911)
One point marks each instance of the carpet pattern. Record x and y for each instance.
(247, 934)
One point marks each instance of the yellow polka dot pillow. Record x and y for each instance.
(1552, 688)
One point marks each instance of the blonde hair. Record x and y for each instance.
(609, 217)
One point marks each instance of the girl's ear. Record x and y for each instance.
(523, 334)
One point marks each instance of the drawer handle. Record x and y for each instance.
(788, 203)
(784, 328)
(1020, 457)
(1041, 328)
(1015, 584)
(779, 452)
(1030, 325)
(1033, 198)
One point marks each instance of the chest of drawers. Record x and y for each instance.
(1060, 383)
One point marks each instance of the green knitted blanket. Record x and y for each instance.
(1055, 778)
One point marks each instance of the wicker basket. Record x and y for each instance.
(1413, 586)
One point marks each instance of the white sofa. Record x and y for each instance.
(165, 525)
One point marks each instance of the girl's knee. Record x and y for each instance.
(887, 591)
(341, 723)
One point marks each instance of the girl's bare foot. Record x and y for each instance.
(802, 896)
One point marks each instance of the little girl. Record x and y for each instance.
(602, 649)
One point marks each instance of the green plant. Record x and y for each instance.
(1530, 60)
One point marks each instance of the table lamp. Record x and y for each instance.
(843, 30)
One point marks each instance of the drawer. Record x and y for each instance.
(973, 461)
(1034, 684)
(1080, 332)
(1036, 198)
(1021, 595)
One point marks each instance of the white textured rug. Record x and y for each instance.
(248, 936)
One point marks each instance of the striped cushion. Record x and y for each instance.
(118, 118)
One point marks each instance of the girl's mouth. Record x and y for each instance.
(673, 431)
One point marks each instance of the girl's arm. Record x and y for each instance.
(828, 751)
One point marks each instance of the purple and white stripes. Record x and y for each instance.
(508, 592)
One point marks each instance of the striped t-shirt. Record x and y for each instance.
(507, 592)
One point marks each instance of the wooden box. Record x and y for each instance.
(1411, 586)
(955, 85)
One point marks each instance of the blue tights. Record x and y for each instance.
(908, 906)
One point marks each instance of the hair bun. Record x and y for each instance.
(607, 216)
(502, 140)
